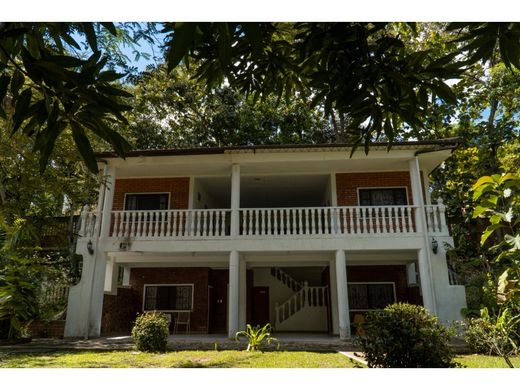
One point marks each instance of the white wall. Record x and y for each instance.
(205, 198)
(308, 319)
(449, 299)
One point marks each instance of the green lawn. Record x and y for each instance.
(483, 361)
(184, 359)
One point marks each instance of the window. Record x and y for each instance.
(382, 197)
(177, 297)
(146, 201)
(370, 296)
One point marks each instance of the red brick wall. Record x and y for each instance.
(199, 277)
(120, 311)
(52, 329)
(178, 187)
(348, 183)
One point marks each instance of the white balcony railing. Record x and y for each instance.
(272, 222)
(170, 223)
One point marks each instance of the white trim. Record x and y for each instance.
(333, 190)
(147, 193)
(169, 285)
(191, 188)
(382, 188)
(393, 288)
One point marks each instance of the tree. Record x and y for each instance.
(363, 72)
(173, 110)
(45, 89)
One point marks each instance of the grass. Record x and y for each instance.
(484, 361)
(181, 359)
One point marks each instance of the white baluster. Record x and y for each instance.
(168, 225)
(160, 223)
(115, 229)
(350, 228)
(442, 216)
(250, 222)
(300, 221)
(275, 222)
(410, 224)
(256, 222)
(429, 223)
(377, 212)
(121, 223)
(392, 218)
(361, 218)
(326, 221)
(223, 223)
(282, 222)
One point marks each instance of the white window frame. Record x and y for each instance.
(148, 193)
(381, 188)
(363, 310)
(192, 285)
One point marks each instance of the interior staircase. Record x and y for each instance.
(305, 310)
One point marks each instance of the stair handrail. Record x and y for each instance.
(307, 296)
(286, 279)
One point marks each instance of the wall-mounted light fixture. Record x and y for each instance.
(90, 247)
(435, 245)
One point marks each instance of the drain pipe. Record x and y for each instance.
(97, 231)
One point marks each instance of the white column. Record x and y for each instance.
(333, 297)
(242, 298)
(341, 280)
(424, 256)
(111, 274)
(425, 281)
(235, 199)
(97, 285)
(426, 188)
(234, 281)
(110, 177)
(333, 190)
(126, 275)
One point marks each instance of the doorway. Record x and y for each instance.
(260, 305)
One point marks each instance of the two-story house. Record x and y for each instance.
(306, 237)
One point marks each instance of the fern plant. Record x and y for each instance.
(256, 335)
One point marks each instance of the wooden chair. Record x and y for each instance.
(359, 320)
(182, 318)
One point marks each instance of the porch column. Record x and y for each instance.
(341, 280)
(235, 199)
(333, 297)
(242, 295)
(234, 281)
(425, 272)
(111, 275)
(126, 275)
(110, 178)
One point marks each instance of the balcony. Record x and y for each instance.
(312, 222)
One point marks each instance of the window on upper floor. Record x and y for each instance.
(382, 196)
(146, 201)
(177, 297)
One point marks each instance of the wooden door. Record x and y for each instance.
(260, 306)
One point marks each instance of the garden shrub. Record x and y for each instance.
(405, 335)
(151, 332)
(493, 336)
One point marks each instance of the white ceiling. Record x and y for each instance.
(270, 191)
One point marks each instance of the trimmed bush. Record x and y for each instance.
(150, 332)
(406, 336)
